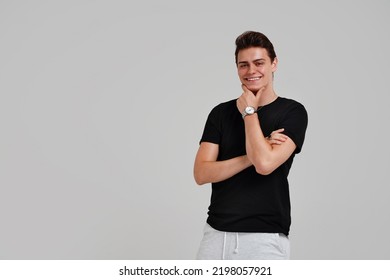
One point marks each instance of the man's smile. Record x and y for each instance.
(252, 79)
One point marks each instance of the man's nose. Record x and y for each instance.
(251, 68)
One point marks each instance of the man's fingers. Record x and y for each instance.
(277, 135)
(274, 141)
(259, 92)
(245, 89)
(278, 130)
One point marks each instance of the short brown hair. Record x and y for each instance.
(250, 39)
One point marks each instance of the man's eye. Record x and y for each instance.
(259, 63)
(243, 65)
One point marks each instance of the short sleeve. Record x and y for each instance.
(295, 123)
(212, 130)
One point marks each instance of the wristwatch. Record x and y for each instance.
(248, 111)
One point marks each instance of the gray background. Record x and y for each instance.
(102, 104)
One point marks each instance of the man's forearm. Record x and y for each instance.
(259, 151)
(265, 156)
(216, 171)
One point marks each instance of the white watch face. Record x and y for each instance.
(249, 110)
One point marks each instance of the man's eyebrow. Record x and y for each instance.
(256, 60)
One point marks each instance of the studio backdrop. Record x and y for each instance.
(102, 106)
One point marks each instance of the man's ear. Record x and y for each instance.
(274, 64)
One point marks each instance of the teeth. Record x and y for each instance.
(253, 79)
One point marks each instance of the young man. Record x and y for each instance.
(246, 151)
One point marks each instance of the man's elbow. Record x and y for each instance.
(199, 179)
(264, 168)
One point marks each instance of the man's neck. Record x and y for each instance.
(267, 97)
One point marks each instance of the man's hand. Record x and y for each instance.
(248, 98)
(276, 137)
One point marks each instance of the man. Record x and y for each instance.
(246, 151)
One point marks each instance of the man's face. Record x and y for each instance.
(255, 68)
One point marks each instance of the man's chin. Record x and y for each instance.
(254, 89)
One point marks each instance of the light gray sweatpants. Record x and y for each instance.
(217, 245)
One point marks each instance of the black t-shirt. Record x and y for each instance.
(248, 201)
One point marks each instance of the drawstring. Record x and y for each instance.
(224, 245)
(236, 250)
